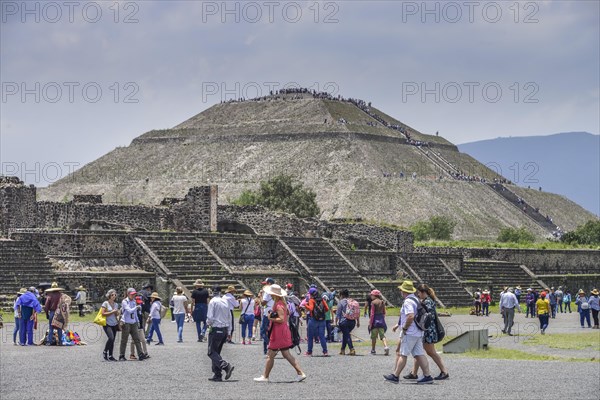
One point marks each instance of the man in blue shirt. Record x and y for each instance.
(130, 308)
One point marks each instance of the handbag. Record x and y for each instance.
(441, 333)
(243, 315)
(100, 319)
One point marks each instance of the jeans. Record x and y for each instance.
(155, 327)
(567, 305)
(530, 309)
(543, 321)
(485, 309)
(595, 316)
(560, 304)
(247, 325)
(346, 327)
(26, 331)
(111, 333)
(51, 330)
(329, 329)
(216, 339)
(179, 319)
(316, 328)
(553, 309)
(264, 332)
(16, 330)
(199, 315)
(585, 315)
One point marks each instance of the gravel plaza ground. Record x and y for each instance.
(182, 369)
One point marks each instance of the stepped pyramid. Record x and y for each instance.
(361, 162)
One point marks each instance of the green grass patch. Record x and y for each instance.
(569, 341)
(509, 354)
(547, 245)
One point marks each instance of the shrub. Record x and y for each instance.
(436, 228)
(588, 233)
(514, 235)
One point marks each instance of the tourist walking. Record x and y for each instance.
(583, 308)
(347, 318)
(110, 311)
(553, 302)
(80, 299)
(543, 311)
(530, 303)
(316, 307)
(233, 304)
(218, 319)
(247, 315)
(129, 316)
(139, 300)
(155, 306)
(280, 335)
(368, 300)
(431, 336)
(257, 315)
(53, 295)
(267, 306)
(567, 300)
(595, 306)
(377, 325)
(477, 301)
(508, 303)
(411, 337)
(17, 315)
(145, 296)
(486, 299)
(27, 307)
(559, 299)
(329, 298)
(180, 306)
(200, 307)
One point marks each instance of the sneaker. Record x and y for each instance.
(373, 352)
(180, 341)
(441, 376)
(352, 353)
(243, 341)
(122, 358)
(425, 380)
(410, 376)
(261, 379)
(105, 355)
(307, 354)
(325, 354)
(143, 357)
(111, 358)
(300, 378)
(543, 331)
(159, 344)
(201, 339)
(386, 351)
(216, 379)
(391, 378)
(132, 357)
(228, 371)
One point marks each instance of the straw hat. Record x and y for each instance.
(248, 293)
(581, 291)
(486, 292)
(595, 292)
(231, 289)
(81, 288)
(22, 291)
(54, 288)
(276, 290)
(519, 287)
(407, 287)
(155, 295)
(199, 283)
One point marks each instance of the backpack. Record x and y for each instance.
(293, 324)
(423, 318)
(163, 311)
(318, 312)
(352, 311)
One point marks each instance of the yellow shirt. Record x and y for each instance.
(543, 306)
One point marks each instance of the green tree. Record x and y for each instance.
(588, 233)
(282, 193)
(514, 235)
(436, 228)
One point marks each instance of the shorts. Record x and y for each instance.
(412, 345)
(377, 331)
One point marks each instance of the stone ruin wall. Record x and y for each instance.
(17, 204)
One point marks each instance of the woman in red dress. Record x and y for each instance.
(280, 335)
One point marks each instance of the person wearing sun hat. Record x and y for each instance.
(377, 326)
(17, 315)
(27, 306)
(154, 317)
(583, 308)
(80, 299)
(200, 297)
(267, 304)
(411, 337)
(247, 315)
(52, 302)
(594, 306)
(233, 304)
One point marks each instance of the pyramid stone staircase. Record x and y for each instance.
(186, 256)
(22, 264)
(498, 274)
(432, 271)
(328, 265)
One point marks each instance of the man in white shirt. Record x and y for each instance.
(411, 337)
(267, 303)
(218, 319)
(508, 303)
(233, 304)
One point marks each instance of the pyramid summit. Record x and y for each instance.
(361, 162)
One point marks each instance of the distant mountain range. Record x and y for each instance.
(563, 163)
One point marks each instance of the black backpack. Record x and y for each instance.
(293, 324)
(318, 313)
(423, 319)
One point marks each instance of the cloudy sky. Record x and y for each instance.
(81, 78)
